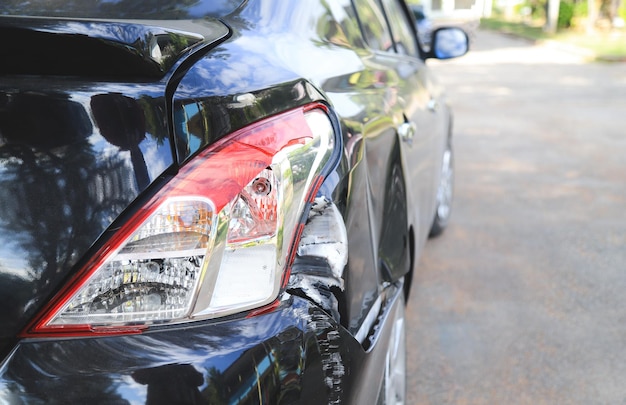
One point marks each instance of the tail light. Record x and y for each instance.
(216, 240)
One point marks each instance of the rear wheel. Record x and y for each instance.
(445, 193)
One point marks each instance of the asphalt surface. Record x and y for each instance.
(523, 299)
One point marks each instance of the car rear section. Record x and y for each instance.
(181, 214)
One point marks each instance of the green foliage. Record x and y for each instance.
(607, 46)
(537, 8)
(519, 29)
(566, 12)
(581, 9)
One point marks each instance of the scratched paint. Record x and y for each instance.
(325, 236)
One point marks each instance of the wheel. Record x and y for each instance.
(445, 193)
(394, 385)
(394, 241)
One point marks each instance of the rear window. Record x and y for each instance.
(120, 9)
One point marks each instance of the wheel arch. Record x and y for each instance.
(394, 247)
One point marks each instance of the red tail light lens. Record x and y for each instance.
(215, 241)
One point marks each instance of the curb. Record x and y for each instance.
(610, 59)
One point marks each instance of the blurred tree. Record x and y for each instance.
(614, 13)
(592, 16)
(552, 16)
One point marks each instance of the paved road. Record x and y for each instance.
(523, 299)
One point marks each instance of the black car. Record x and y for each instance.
(214, 201)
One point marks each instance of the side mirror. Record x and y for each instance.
(448, 43)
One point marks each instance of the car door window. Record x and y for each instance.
(400, 29)
(373, 25)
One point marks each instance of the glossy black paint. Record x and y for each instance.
(74, 154)
(94, 48)
(202, 363)
(82, 144)
(70, 163)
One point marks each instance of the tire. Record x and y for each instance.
(394, 241)
(394, 384)
(445, 192)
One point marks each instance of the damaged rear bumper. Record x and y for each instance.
(296, 354)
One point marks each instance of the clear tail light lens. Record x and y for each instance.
(216, 240)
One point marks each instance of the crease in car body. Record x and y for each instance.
(321, 257)
(317, 273)
(331, 352)
(315, 277)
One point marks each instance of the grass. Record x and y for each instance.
(517, 28)
(606, 45)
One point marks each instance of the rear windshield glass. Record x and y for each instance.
(120, 9)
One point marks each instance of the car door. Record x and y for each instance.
(420, 131)
(403, 135)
